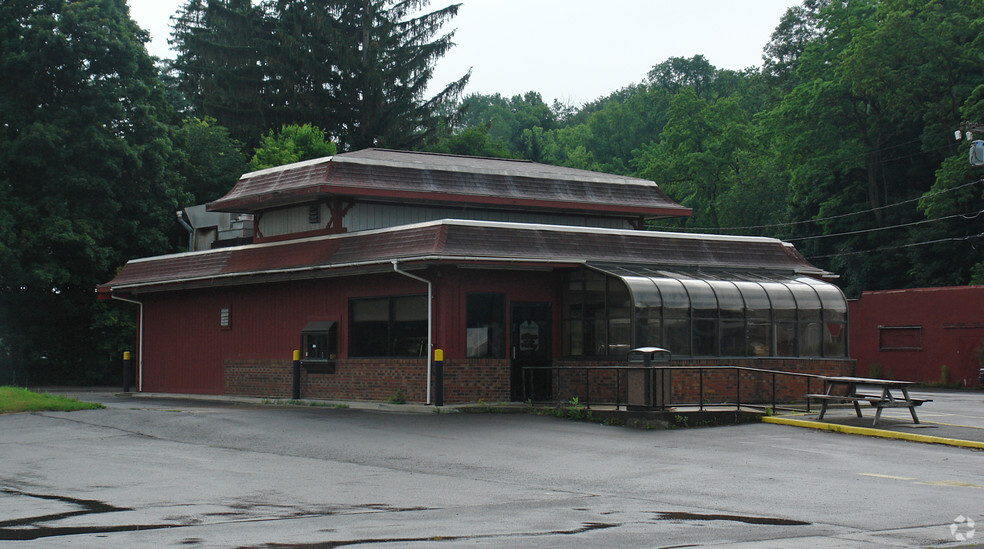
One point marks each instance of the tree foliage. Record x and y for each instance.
(84, 179)
(291, 144)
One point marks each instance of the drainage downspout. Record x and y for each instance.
(139, 340)
(430, 321)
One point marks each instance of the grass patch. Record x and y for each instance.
(15, 399)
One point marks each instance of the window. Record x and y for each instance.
(485, 326)
(388, 326)
(319, 341)
(224, 319)
(900, 338)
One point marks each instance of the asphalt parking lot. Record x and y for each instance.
(171, 472)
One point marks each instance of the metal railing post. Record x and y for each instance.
(700, 372)
(618, 388)
(773, 393)
(587, 388)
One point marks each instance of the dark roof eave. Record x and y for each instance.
(106, 291)
(274, 199)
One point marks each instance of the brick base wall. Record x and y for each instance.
(370, 380)
(472, 380)
(691, 386)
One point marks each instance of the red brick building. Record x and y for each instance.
(367, 261)
(913, 334)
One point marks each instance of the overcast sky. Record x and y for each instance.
(572, 50)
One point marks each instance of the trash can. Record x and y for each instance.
(648, 379)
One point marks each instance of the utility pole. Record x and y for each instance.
(967, 129)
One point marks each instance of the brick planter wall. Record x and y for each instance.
(690, 386)
(471, 380)
(257, 378)
(370, 380)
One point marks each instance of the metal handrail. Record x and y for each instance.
(737, 402)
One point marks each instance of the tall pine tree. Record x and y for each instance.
(357, 68)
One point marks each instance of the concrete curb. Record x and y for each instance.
(870, 432)
(300, 403)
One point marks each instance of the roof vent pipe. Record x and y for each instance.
(430, 321)
(189, 228)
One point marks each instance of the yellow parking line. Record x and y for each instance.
(867, 431)
(950, 483)
(893, 477)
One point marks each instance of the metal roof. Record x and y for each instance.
(431, 178)
(455, 242)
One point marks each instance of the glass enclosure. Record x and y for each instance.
(609, 310)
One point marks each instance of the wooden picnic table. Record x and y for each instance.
(879, 393)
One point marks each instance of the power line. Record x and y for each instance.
(910, 245)
(839, 216)
(967, 216)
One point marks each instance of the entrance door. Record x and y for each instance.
(531, 347)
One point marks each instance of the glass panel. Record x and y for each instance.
(369, 329)
(732, 336)
(728, 296)
(783, 305)
(594, 295)
(485, 325)
(673, 294)
(701, 294)
(573, 337)
(806, 299)
(370, 310)
(646, 298)
(410, 308)
(834, 303)
(574, 296)
(756, 300)
(408, 328)
(809, 339)
(834, 340)
(648, 332)
(676, 337)
(619, 337)
(619, 304)
(785, 338)
(759, 338)
(595, 337)
(705, 335)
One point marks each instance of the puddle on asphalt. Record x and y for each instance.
(585, 527)
(770, 521)
(28, 528)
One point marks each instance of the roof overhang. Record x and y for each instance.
(376, 175)
(471, 244)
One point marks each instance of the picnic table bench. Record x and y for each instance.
(876, 392)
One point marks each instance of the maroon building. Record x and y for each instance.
(367, 261)
(914, 334)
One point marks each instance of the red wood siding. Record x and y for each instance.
(186, 349)
(951, 322)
